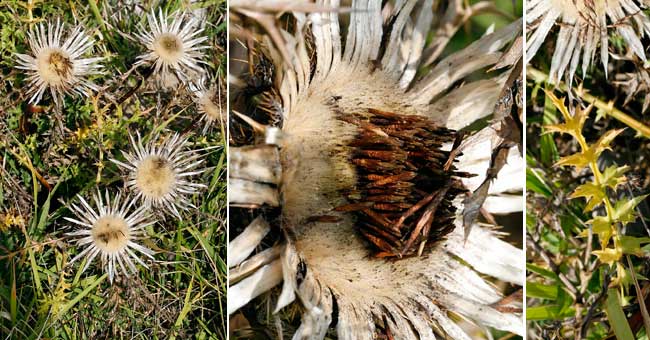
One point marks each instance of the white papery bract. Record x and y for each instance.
(160, 172)
(584, 25)
(174, 45)
(111, 230)
(55, 62)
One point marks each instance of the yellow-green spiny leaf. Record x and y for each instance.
(578, 160)
(632, 245)
(608, 255)
(613, 176)
(603, 142)
(594, 194)
(602, 227)
(572, 123)
(624, 209)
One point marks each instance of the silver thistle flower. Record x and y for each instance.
(583, 27)
(160, 172)
(111, 231)
(174, 45)
(58, 64)
(307, 167)
(208, 99)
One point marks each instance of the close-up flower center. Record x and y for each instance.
(110, 233)
(155, 177)
(54, 66)
(377, 170)
(168, 47)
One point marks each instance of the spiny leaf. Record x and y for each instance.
(624, 209)
(603, 142)
(578, 160)
(632, 245)
(609, 255)
(613, 176)
(591, 154)
(573, 123)
(602, 226)
(592, 192)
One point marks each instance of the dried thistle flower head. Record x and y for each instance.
(174, 45)
(366, 163)
(111, 231)
(57, 63)
(584, 25)
(209, 100)
(160, 172)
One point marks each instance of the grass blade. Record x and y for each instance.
(616, 317)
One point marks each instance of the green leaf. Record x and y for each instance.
(624, 209)
(541, 271)
(613, 176)
(541, 291)
(632, 245)
(609, 255)
(549, 312)
(616, 317)
(535, 183)
(93, 285)
(592, 192)
(578, 160)
(548, 149)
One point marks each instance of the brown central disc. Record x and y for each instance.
(404, 193)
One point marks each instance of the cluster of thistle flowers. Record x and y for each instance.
(160, 171)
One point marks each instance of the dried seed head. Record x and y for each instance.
(54, 66)
(168, 47)
(161, 172)
(404, 192)
(155, 177)
(110, 233)
(376, 164)
(174, 44)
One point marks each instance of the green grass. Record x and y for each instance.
(48, 156)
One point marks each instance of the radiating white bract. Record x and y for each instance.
(111, 230)
(174, 45)
(160, 172)
(55, 62)
(583, 26)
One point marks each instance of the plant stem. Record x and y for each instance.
(642, 129)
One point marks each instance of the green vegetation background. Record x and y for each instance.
(559, 257)
(47, 157)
